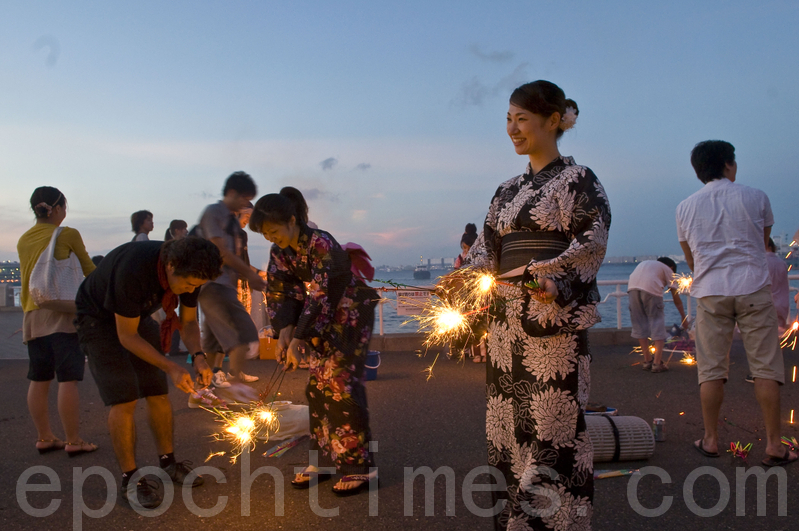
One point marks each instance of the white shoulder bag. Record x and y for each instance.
(54, 283)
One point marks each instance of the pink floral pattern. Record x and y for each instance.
(333, 311)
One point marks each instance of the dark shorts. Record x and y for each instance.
(225, 322)
(57, 355)
(121, 376)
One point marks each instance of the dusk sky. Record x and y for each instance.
(389, 116)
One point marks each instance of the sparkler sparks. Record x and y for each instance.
(790, 335)
(684, 282)
(242, 428)
(687, 359)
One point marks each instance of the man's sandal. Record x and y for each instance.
(55, 444)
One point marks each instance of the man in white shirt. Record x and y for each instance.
(645, 292)
(723, 230)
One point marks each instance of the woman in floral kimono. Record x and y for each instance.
(547, 226)
(334, 318)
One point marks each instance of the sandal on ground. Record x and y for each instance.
(786, 459)
(479, 359)
(364, 484)
(83, 448)
(647, 365)
(55, 444)
(699, 445)
(305, 483)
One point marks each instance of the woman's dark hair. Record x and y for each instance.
(240, 182)
(544, 98)
(273, 208)
(137, 219)
(669, 262)
(193, 257)
(299, 202)
(469, 234)
(174, 225)
(44, 199)
(96, 259)
(709, 158)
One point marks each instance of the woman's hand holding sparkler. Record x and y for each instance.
(294, 354)
(547, 291)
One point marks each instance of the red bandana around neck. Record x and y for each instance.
(169, 303)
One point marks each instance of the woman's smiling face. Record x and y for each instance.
(529, 132)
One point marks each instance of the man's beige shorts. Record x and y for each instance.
(716, 317)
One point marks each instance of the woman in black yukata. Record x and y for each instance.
(549, 225)
(334, 319)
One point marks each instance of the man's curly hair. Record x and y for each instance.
(192, 257)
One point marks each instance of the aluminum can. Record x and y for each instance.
(658, 429)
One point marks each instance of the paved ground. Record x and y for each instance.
(418, 423)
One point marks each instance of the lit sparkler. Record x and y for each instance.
(687, 359)
(241, 429)
(684, 282)
(790, 335)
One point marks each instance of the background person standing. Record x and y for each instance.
(723, 230)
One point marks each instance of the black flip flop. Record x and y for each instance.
(301, 485)
(701, 449)
(780, 461)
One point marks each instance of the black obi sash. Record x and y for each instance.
(519, 248)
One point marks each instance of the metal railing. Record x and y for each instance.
(618, 294)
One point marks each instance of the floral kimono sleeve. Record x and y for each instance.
(585, 217)
(285, 292)
(330, 274)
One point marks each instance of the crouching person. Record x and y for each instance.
(125, 346)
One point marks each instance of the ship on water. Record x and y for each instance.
(421, 272)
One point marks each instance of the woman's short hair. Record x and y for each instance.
(138, 218)
(297, 198)
(192, 256)
(709, 158)
(544, 98)
(44, 199)
(174, 226)
(272, 208)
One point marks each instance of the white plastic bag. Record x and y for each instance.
(293, 419)
(54, 283)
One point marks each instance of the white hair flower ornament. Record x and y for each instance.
(568, 119)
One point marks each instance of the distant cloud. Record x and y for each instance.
(475, 93)
(204, 195)
(358, 215)
(328, 163)
(491, 57)
(53, 48)
(363, 166)
(313, 194)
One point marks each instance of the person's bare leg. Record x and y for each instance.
(38, 393)
(644, 343)
(712, 395)
(767, 393)
(69, 410)
(658, 344)
(122, 427)
(219, 359)
(160, 411)
(238, 356)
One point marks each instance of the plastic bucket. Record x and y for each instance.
(372, 363)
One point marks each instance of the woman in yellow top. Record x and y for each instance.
(52, 341)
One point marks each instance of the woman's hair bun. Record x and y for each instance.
(471, 228)
(573, 104)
